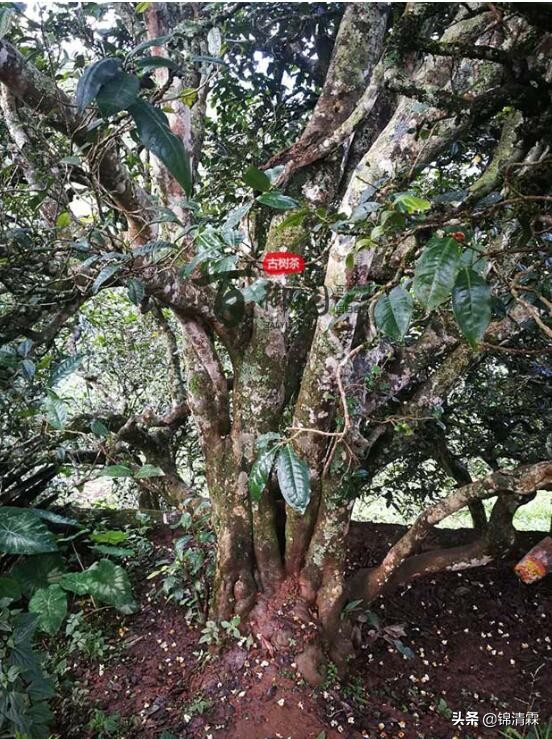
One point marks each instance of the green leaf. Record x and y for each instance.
(265, 440)
(208, 59)
(293, 478)
(157, 41)
(235, 216)
(37, 571)
(9, 588)
(152, 248)
(260, 471)
(436, 271)
(104, 275)
(29, 368)
(203, 256)
(73, 582)
(214, 41)
(223, 265)
(256, 292)
(72, 160)
(22, 532)
(156, 62)
(56, 410)
(393, 313)
(112, 536)
(6, 15)
(406, 652)
(64, 368)
(157, 137)
(277, 200)
(136, 290)
(392, 220)
(256, 179)
(50, 605)
(116, 470)
(108, 583)
(93, 78)
(64, 219)
(471, 303)
(274, 172)
(56, 518)
(293, 220)
(149, 470)
(142, 7)
(99, 429)
(118, 94)
(412, 203)
(113, 551)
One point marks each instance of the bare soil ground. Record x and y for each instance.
(481, 642)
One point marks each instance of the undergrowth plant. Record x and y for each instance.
(35, 596)
(186, 578)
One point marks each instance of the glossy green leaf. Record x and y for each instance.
(104, 275)
(53, 517)
(118, 94)
(56, 410)
(234, 217)
(200, 258)
(64, 368)
(6, 15)
(108, 583)
(93, 78)
(157, 41)
(149, 470)
(156, 135)
(293, 478)
(64, 219)
(436, 271)
(256, 292)
(156, 62)
(393, 313)
(293, 220)
(256, 178)
(471, 303)
(208, 59)
(260, 472)
(99, 429)
(29, 368)
(74, 583)
(136, 290)
(266, 440)
(277, 200)
(112, 551)
(411, 203)
(116, 470)
(72, 160)
(50, 606)
(22, 532)
(112, 536)
(150, 247)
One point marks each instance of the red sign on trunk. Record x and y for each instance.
(283, 263)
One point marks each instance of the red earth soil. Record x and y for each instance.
(480, 638)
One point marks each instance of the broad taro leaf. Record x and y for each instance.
(22, 532)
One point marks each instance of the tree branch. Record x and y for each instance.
(41, 94)
(523, 481)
